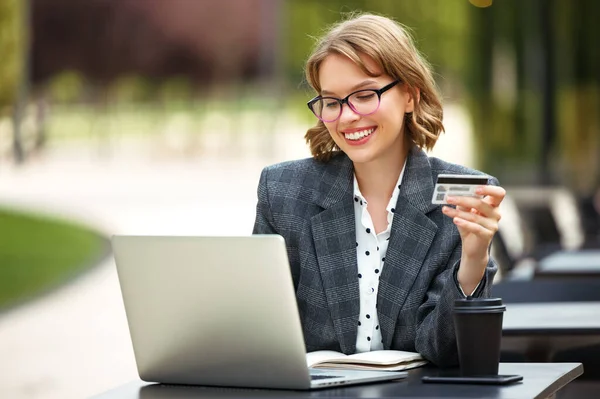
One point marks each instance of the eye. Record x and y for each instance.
(331, 104)
(365, 96)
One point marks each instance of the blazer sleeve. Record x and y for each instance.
(435, 337)
(263, 224)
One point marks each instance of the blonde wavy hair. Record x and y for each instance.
(389, 44)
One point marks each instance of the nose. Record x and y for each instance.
(348, 115)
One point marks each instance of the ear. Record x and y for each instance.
(414, 96)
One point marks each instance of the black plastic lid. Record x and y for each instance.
(479, 304)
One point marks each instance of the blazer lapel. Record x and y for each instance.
(411, 236)
(335, 244)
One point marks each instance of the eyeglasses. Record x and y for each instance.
(362, 102)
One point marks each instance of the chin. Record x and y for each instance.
(359, 156)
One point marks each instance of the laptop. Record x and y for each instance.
(218, 311)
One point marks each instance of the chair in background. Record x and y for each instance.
(589, 208)
(509, 245)
(551, 218)
(580, 264)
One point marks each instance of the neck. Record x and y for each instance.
(378, 178)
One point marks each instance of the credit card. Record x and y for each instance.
(457, 185)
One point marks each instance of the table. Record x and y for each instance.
(540, 380)
(541, 329)
(584, 263)
(547, 290)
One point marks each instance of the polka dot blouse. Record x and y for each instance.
(370, 251)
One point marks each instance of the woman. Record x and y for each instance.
(375, 264)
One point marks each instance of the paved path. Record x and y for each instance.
(74, 342)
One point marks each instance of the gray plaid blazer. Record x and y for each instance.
(311, 205)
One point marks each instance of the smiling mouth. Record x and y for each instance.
(361, 134)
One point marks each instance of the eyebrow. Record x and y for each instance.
(355, 87)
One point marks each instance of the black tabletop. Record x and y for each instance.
(575, 264)
(540, 380)
(541, 329)
(552, 318)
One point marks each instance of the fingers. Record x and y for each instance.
(477, 215)
(480, 229)
(488, 222)
(492, 198)
(493, 195)
(481, 207)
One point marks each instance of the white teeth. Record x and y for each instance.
(358, 135)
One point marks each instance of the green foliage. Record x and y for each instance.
(438, 26)
(132, 88)
(66, 87)
(510, 135)
(579, 136)
(11, 50)
(37, 254)
(176, 89)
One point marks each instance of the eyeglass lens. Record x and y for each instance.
(362, 102)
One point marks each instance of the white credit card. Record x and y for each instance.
(457, 185)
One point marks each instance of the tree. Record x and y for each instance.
(11, 48)
(13, 37)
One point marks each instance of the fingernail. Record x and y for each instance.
(450, 199)
(479, 190)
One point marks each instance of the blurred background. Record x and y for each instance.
(156, 117)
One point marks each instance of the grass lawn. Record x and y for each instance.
(38, 253)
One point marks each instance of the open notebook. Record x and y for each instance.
(382, 360)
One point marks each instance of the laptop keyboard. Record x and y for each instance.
(323, 376)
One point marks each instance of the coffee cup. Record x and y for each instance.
(478, 327)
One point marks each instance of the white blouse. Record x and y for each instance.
(370, 251)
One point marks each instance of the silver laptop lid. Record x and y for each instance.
(212, 310)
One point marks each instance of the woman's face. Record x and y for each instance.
(375, 137)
